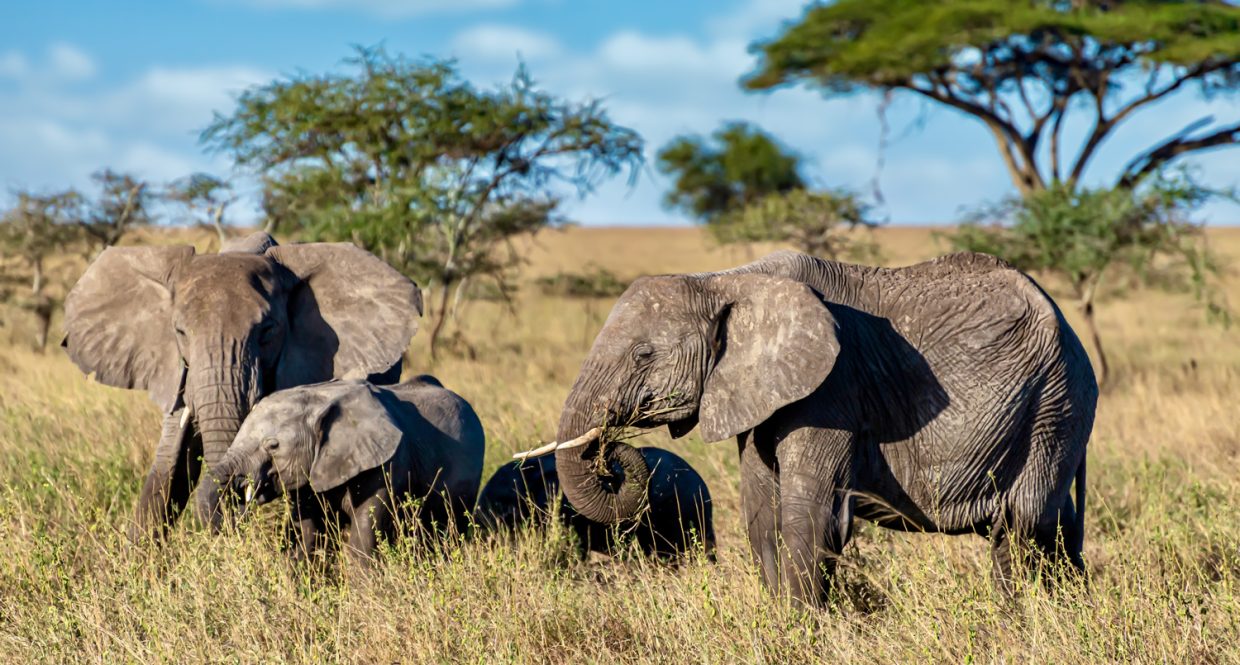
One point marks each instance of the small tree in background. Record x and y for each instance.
(33, 230)
(830, 224)
(737, 166)
(410, 161)
(205, 198)
(123, 203)
(1085, 236)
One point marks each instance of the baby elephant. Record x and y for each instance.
(347, 454)
(678, 520)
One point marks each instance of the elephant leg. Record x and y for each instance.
(168, 484)
(371, 522)
(1059, 542)
(815, 508)
(1001, 555)
(760, 507)
(307, 529)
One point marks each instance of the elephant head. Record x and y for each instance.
(316, 438)
(215, 333)
(723, 351)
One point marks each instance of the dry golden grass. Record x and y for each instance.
(1163, 540)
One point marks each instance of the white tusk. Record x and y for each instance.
(582, 440)
(249, 492)
(185, 414)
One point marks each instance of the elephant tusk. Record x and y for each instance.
(582, 440)
(249, 492)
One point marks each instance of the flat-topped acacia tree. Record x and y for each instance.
(1021, 67)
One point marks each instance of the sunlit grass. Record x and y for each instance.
(1162, 545)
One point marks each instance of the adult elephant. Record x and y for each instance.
(949, 396)
(208, 336)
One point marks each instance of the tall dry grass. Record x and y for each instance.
(1163, 538)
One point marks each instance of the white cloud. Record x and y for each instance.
(14, 65)
(386, 8)
(502, 43)
(69, 62)
(54, 133)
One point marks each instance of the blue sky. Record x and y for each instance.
(127, 84)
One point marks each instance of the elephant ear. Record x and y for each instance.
(118, 320)
(350, 314)
(776, 343)
(356, 434)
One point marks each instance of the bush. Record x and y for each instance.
(595, 282)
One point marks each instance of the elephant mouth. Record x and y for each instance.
(259, 487)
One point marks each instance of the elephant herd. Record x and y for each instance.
(949, 396)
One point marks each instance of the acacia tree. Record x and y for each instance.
(411, 161)
(737, 165)
(1020, 68)
(205, 199)
(123, 203)
(36, 228)
(831, 224)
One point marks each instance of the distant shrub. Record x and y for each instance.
(595, 282)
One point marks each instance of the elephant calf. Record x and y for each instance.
(348, 453)
(678, 519)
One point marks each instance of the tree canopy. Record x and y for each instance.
(409, 160)
(1020, 66)
(736, 166)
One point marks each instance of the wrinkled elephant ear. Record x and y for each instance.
(350, 314)
(777, 344)
(356, 434)
(118, 320)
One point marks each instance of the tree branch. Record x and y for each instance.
(1006, 134)
(1154, 158)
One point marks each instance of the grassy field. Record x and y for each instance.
(1162, 544)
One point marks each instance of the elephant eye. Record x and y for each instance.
(271, 443)
(267, 333)
(643, 352)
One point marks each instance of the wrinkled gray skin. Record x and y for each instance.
(346, 454)
(678, 520)
(213, 334)
(949, 396)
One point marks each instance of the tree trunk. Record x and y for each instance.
(445, 295)
(1087, 312)
(42, 308)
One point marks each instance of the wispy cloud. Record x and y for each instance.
(54, 131)
(69, 62)
(502, 43)
(384, 8)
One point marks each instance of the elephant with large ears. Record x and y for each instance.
(356, 457)
(209, 335)
(948, 396)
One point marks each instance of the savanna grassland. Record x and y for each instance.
(1162, 544)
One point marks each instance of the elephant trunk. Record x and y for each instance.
(612, 489)
(222, 390)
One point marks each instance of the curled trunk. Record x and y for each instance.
(606, 490)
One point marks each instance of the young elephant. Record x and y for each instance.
(678, 519)
(348, 453)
